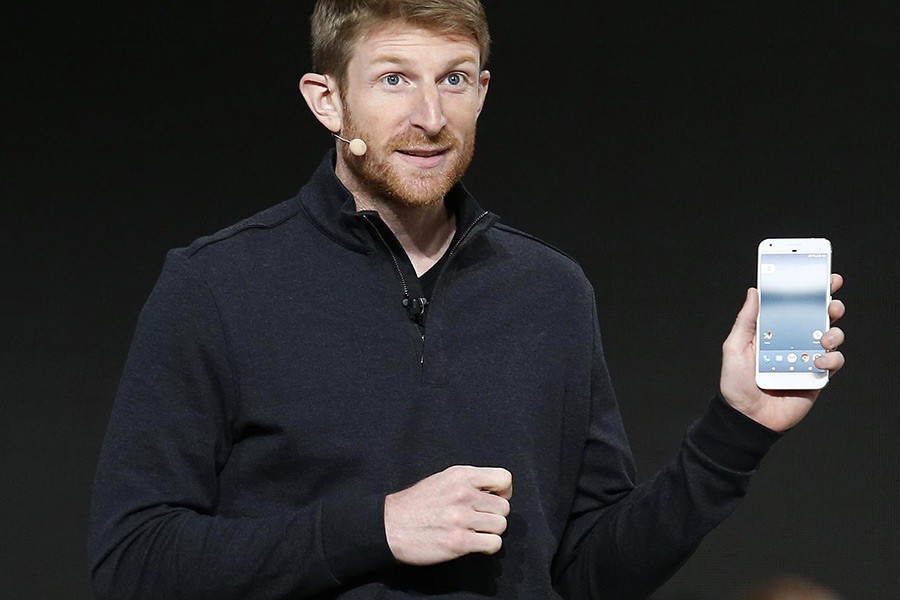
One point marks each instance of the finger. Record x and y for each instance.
(832, 339)
(491, 503)
(836, 282)
(493, 479)
(744, 327)
(485, 543)
(487, 523)
(831, 361)
(836, 310)
(503, 491)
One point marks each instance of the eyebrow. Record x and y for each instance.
(392, 59)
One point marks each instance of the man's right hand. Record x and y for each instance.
(461, 510)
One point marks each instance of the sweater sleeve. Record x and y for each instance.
(624, 541)
(154, 528)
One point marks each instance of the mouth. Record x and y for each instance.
(424, 152)
(423, 157)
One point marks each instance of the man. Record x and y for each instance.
(372, 390)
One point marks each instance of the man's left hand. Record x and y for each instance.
(777, 410)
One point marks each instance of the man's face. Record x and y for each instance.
(414, 97)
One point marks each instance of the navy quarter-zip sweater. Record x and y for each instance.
(276, 390)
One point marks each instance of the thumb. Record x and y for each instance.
(744, 328)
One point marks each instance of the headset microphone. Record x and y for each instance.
(357, 146)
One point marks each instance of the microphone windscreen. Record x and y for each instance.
(357, 147)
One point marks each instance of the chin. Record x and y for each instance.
(413, 195)
(416, 189)
(405, 186)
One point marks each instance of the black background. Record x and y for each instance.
(656, 142)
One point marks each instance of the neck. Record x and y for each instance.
(425, 232)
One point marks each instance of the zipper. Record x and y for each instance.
(393, 256)
(415, 307)
(465, 233)
(418, 304)
(449, 257)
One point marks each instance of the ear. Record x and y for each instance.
(323, 100)
(484, 79)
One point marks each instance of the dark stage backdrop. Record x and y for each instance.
(657, 143)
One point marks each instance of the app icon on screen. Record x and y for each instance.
(792, 358)
(817, 335)
(767, 335)
(804, 357)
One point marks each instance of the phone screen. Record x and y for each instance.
(793, 293)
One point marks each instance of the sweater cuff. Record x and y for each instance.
(730, 438)
(354, 538)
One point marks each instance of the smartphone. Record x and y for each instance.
(794, 283)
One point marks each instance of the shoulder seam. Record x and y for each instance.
(515, 231)
(234, 230)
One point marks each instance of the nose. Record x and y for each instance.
(428, 113)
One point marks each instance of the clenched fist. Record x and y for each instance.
(461, 510)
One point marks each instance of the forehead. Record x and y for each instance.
(409, 43)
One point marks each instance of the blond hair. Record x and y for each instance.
(338, 24)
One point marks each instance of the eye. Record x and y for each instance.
(456, 79)
(392, 79)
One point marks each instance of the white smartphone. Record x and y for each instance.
(794, 283)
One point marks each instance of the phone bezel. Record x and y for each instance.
(800, 380)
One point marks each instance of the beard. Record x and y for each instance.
(414, 188)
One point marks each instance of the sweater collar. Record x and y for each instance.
(330, 207)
